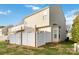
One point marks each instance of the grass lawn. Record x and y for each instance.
(63, 48)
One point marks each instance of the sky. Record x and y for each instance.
(11, 14)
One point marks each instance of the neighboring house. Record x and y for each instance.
(44, 26)
(4, 32)
(2, 35)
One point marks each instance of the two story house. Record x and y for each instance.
(44, 26)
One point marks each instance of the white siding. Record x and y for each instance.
(57, 17)
(39, 19)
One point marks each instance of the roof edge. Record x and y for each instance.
(36, 12)
(39, 11)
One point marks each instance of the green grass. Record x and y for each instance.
(63, 48)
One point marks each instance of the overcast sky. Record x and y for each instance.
(14, 13)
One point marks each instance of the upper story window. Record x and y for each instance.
(45, 13)
(44, 17)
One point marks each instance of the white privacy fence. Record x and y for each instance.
(31, 37)
(43, 37)
(26, 37)
(3, 38)
(76, 47)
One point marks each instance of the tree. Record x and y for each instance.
(75, 29)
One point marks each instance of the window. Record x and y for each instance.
(55, 33)
(59, 35)
(44, 17)
(59, 32)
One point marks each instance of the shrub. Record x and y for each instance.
(75, 29)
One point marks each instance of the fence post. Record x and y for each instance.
(35, 35)
(75, 47)
(21, 35)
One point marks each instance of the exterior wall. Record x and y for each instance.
(1, 32)
(16, 28)
(57, 17)
(39, 19)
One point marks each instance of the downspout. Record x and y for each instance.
(35, 36)
(21, 36)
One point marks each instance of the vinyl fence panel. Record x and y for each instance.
(12, 38)
(18, 38)
(25, 38)
(31, 39)
(40, 38)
